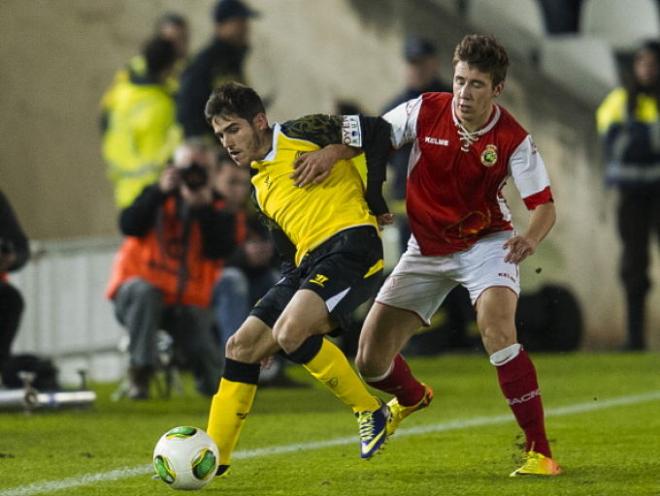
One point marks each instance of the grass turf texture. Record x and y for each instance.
(609, 451)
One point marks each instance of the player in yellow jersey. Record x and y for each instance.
(332, 254)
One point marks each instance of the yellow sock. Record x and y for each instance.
(229, 408)
(331, 367)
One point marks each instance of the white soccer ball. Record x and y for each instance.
(186, 458)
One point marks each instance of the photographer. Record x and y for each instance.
(14, 253)
(177, 232)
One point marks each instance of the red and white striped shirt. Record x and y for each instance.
(455, 178)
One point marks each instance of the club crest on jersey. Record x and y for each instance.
(489, 156)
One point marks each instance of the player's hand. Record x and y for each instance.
(385, 219)
(313, 167)
(519, 248)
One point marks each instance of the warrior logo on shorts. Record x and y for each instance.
(489, 156)
(319, 279)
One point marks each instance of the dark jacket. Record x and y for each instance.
(218, 63)
(175, 248)
(11, 234)
(217, 226)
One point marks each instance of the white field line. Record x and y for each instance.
(124, 473)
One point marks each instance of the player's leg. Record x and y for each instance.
(494, 287)
(385, 332)
(232, 403)
(299, 333)
(517, 376)
(406, 301)
(337, 277)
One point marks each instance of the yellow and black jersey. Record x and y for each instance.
(308, 216)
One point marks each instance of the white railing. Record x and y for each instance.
(67, 316)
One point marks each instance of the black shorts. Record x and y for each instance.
(345, 271)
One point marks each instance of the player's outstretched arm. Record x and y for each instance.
(522, 246)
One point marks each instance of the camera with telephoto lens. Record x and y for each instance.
(6, 247)
(194, 176)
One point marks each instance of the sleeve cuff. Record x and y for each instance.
(543, 196)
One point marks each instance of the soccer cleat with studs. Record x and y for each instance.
(373, 430)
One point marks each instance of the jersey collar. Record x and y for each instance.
(495, 116)
(273, 147)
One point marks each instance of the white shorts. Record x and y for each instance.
(421, 283)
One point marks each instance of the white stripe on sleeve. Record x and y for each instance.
(403, 119)
(528, 169)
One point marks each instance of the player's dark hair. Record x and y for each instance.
(234, 99)
(485, 53)
(159, 55)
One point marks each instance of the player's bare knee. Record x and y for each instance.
(238, 349)
(289, 335)
(369, 364)
(496, 337)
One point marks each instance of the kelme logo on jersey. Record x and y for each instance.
(489, 156)
(436, 141)
(319, 279)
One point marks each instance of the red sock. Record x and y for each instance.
(521, 389)
(401, 383)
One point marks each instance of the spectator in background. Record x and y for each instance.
(176, 236)
(14, 253)
(629, 123)
(231, 303)
(422, 76)
(142, 131)
(220, 61)
(171, 27)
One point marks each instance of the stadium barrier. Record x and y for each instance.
(67, 317)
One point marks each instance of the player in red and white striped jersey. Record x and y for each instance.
(465, 147)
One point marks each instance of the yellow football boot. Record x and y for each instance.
(537, 464)
(399, 412)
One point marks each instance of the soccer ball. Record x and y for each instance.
(185, 458)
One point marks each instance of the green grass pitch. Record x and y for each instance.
(603, 420)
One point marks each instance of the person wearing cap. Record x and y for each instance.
(222, 60)
(422, 68)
